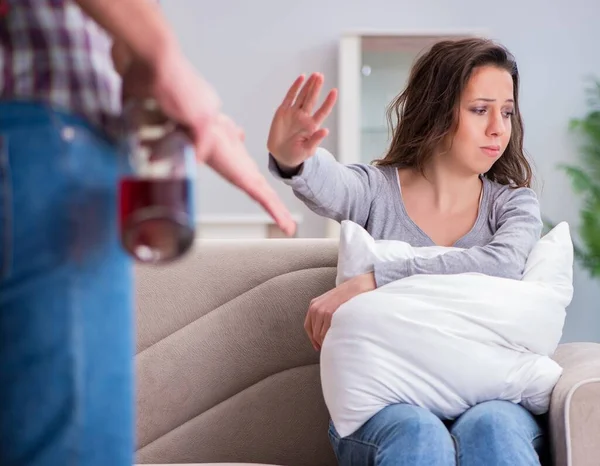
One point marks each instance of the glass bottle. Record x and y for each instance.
(156, 193)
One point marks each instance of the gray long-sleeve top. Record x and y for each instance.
(507, 227)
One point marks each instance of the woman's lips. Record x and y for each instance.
(491, 151)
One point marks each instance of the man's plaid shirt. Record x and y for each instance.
(52, 52)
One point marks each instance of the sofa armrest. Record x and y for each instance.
(575, 406)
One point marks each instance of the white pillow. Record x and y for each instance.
(444, 342)
(550, 261)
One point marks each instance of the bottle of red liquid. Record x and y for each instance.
(156, 193)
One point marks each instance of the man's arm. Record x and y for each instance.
(137, 24)
(147, 54)
(159, 69)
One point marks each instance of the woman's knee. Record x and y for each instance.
(405, 421)
(500, 432)
(497, 419)
(398, 434)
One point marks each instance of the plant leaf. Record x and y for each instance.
(580, 180)
(585, 180)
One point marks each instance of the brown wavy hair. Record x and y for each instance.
(425, 114)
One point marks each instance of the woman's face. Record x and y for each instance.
(484, 120)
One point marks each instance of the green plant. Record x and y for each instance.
(585, 179)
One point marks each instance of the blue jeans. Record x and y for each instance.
(66, 315)
(494, 433)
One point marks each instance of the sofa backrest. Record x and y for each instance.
(225, 372)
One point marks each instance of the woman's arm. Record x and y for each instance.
(327, 187)
(331, 189)
(519, 227)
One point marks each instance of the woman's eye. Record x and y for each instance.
(483, 111)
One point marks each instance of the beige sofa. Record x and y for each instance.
(226, 374)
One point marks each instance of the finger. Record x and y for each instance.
(308, 323)
(325, 109)
(317, 324)
(325, 328)
(122, 57)
(262, 192)
(136, 84)
(300, 100)
(313, 94)
(292, 92)
(243, 173)
(314, 141)
(308, 329)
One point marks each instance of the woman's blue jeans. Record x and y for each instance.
(66, 316)
(494, 433)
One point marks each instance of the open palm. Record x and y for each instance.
(295, 131)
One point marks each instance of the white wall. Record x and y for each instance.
(251, 50)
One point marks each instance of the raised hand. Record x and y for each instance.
(295, 131)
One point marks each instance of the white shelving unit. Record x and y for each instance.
(373, 67)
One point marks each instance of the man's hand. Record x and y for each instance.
(229, 158)
(321, 309)
(187, 99)
(121, 56)
(147, 54)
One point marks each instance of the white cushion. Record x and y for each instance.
(444, 342)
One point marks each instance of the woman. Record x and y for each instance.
(455, 174)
